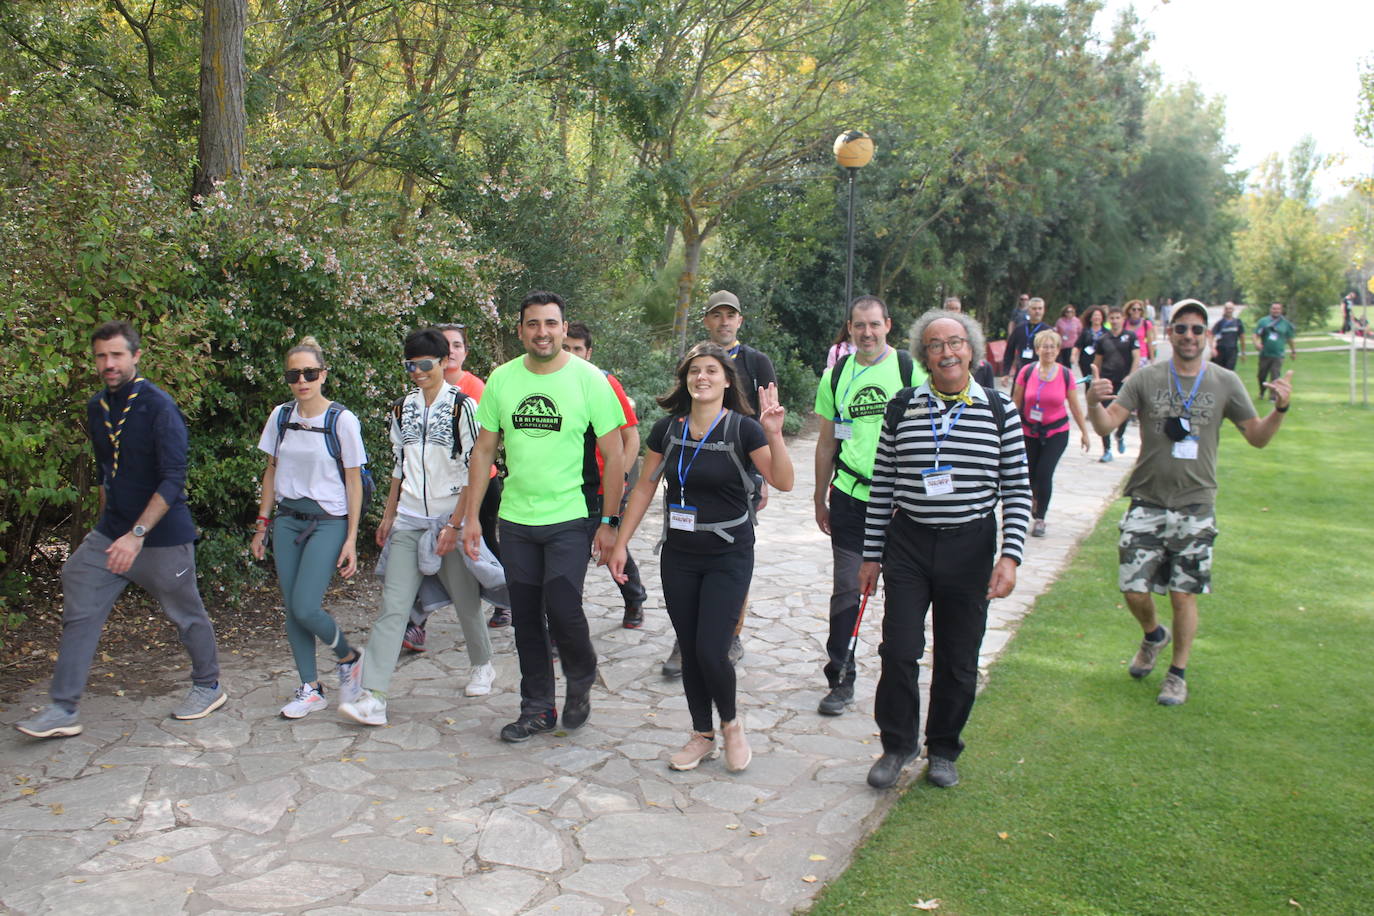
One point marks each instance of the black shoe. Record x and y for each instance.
(885, 772)
(526, 727)
(576, 710)
(500, 617)
(941, 772)
(634, 617)
(834, 702)
(673, 666)
(736, 651)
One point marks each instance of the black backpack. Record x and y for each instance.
(458, 399)
(331, 443)
(896, 408)
(905, 368)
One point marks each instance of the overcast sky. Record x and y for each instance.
(1284, 68)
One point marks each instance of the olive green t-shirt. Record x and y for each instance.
(862, 393)
(550, 424)
(1274, 334)
(1159, 477)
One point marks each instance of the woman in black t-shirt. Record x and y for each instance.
(703, 449)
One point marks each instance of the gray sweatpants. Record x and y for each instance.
(89, 591)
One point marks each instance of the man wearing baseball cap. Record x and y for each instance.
(1167, 533)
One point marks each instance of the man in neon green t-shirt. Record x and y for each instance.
(553, 411)
(850, 401)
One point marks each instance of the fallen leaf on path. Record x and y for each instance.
(810, 879)
(58, 809)
(1002, 835)
(425, 831)
(160, 859)
(816, 857)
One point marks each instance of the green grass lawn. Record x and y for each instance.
(1080, 795)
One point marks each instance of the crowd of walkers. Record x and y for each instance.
(505, 491)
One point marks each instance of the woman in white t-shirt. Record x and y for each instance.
(319, 503)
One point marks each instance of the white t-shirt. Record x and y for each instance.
(304, 468)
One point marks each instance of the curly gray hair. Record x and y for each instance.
(972, 330)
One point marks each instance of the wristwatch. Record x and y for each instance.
(138, 531)
(612, 520)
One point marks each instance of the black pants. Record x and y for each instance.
(703, 593)
(1043, 454)
(487, 514)
(1226, 358)
(545, 568)
(949, 570)
(846, 548)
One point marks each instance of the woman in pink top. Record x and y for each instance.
(1069, 327)
(841, 348)
(1045, 395)
(1143, 328)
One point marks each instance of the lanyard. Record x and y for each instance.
(854, 376)
(1032, 331)
(115, 429)
(683, 472)
(1040, 383)
(951, 419)
(1188, 401)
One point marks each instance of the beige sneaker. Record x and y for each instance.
(698, 748)
(737, 751)
(1174, 691)
(1144, 661)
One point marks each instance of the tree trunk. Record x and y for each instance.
(220, 154)
(691, 250)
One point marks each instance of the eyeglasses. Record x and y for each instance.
(952, 344)
(311, 375)
(1196, 329)
(421, 365)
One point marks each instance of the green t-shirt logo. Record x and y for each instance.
(537, 416)
(869, 402)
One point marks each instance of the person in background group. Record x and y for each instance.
(1347, 313)
(553, 411)
(953, 304)
(841, 348)
(1143, 329)
(1271, 333)
(701, 448)
(1020, 343)
(983, 373)
(949, 450)
(1020, 313)
(1165, 310)
(1117, 357)
(579, 344)
(1069, 326)
(1046, 396)
(1094, 327)
(319, 504)
(1168, 532)
(144, 535)
(850, 400)
(1229, 335)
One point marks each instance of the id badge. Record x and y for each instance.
(682, 518)
(844, 430)
(1027, 353)
(1186, 449)
(1090, 350)
(938, 481)
(1273, 336)
(1035, 414)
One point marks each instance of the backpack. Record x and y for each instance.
(458, 399)
(331, 443)
(896, 409)
(729, 443)
(905, 368)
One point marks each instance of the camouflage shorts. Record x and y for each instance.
(1167, 550)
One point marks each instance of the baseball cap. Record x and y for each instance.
(719, 298)
(1189, 305)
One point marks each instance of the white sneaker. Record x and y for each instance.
(351, 679)
(479, 685)
(368, 709)
(308, 698)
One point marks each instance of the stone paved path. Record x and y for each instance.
(246, 812)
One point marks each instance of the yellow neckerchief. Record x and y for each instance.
(963, 397)
(115, 429)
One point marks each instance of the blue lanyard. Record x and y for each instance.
(1032, 331)
(854, 376)
(681, 472)
(1188, 401)
(939, 437)
(1040, 383)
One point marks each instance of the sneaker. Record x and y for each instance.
(888, 769)
(634, 617)
(1038, 528)
(1174, 691)
(414, 640)
(698, 748)
(479, 685)
(673, 666)
(576, 710)
(1121, 446)
(308, 698)
(737, 750)
(526, 727)
(736, 651)
(1106, 457)
(351, 679)
(500, 618)
(200, 702)
(368, 709)
(834, 702)
(942, 772)
(1144, 661)
(50, 722)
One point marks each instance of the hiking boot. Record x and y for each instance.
(834, 702)
(479, 684)
(200, 702)
(526, 727)
(576, 710)
(698, 748)
(50, 722)
(1038, 528)
(737, 750)
(1144, 661)
(308, 698)
(500, 618)
(673, 666)
(736, 650)
(1174, 691)
(886, 771)
(368, 709)
(351, 679)
(414, 640)
(634, 617)
(1106, 457)
(940, 771)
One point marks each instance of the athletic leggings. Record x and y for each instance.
(1043, 454)
(703, 593)
(304, 571)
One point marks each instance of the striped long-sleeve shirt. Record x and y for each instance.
(983, 465)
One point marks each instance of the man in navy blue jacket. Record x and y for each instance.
(145, 535)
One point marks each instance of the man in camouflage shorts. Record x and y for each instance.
(1167, 533)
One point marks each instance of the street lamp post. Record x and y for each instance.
(853, 151)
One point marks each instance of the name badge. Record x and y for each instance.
(1027, 353)
(682, 518)
(1035, 414)
(1273, 335)
(938, 481)
(844, 430)
(1186, 449)
(1090, 350)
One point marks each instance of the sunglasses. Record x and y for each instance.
(421, 365)
(1196, 329)
(311, 375)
